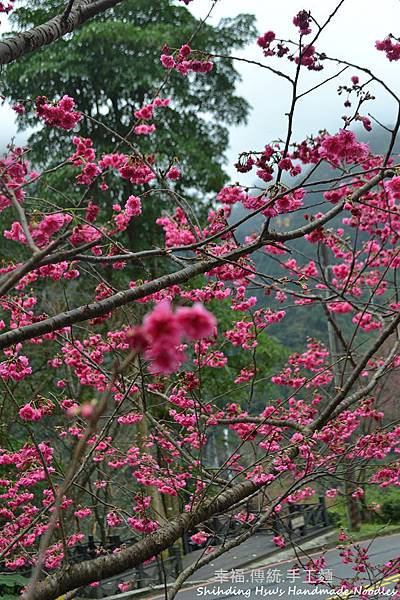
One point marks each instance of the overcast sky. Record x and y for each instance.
(351, 36)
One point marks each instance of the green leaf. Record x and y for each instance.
(11, 579)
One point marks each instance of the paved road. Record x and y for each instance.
(279, 580)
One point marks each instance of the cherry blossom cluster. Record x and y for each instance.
(337, 149)
(306, 55)
(146, 113)
(390, 46)
(6, 7)
(302, 20)
(133, 208)
(160, 337)
(15, 173)
(185, 60)
(58, 114)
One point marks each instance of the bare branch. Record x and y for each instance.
(47, 33)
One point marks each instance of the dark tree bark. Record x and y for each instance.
(102, 307)
(103, 567)
(42, 35)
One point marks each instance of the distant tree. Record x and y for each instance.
(111, 66)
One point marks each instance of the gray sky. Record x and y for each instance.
(351, 36)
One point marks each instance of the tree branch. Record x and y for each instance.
(47, 33)
(97, 309)
(105, 566)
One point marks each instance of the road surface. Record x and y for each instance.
(281, 580)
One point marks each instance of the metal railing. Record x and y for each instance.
(302, 519)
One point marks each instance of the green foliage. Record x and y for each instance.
(384, 504)
(390, 509)
(267, 358)
(10, 585)
(111, 67)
